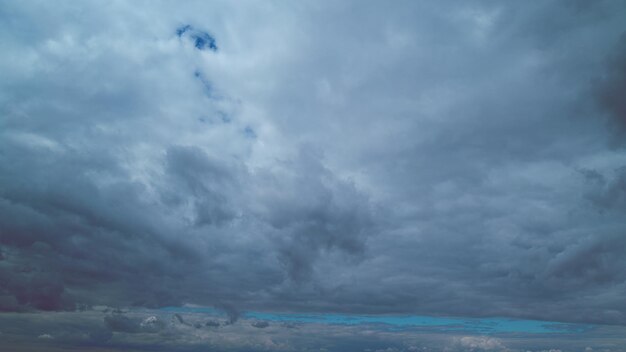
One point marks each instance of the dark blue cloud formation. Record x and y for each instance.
(201, 40)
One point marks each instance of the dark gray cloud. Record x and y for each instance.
(611, 87)
(449, 159)
(231, 312)
(122, 323)
(260, 324)
(212, 323)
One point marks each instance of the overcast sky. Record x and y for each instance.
(445, 158)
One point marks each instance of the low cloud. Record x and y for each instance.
(480, 343)
(260, 324)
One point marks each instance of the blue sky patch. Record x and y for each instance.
(201, 40)
(181, 30)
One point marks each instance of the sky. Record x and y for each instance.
(209, 175)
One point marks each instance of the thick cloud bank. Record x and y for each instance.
(445, 158)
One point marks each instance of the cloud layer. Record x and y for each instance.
(434, 158)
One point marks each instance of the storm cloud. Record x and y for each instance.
(439, 158)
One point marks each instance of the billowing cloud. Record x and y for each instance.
(480, 343)
(414, 158)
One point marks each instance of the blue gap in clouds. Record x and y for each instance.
(181, 30)
(204, 40)
(201, 40)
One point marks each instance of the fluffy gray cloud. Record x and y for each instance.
(450, 158)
